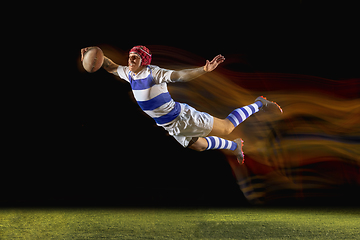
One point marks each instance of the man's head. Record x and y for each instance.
(139, 56)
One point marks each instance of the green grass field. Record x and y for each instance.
(153, 223)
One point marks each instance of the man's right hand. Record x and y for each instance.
(83, 51)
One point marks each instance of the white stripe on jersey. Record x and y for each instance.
(146, 94)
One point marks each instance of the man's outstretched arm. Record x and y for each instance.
(110, 66)
(189, 74)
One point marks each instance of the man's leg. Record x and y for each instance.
(198, 143)
(240, 114)
(226, 126)
(207, 143)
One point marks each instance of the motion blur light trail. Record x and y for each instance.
(311, 150)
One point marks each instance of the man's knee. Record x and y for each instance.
(228, 130)
(222, 127)
(228, 127)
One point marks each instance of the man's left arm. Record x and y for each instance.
(190, 74)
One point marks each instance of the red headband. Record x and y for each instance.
(144, 54)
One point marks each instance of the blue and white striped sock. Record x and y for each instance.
(220, 143)
(240, 114)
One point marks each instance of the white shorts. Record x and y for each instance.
(190, 123)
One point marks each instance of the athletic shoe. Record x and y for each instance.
(238, 151)
(268, 106)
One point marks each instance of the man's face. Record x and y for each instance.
(134, 62)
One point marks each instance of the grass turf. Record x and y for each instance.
(153, 223)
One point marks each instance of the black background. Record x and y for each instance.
(80, 139)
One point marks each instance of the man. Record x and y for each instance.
(191, 128)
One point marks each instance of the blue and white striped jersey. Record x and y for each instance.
(149, 87)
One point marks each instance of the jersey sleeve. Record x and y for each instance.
(123, 72)
(161, 75)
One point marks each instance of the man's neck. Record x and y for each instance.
(139, 70)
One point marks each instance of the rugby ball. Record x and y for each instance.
(93, 59)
